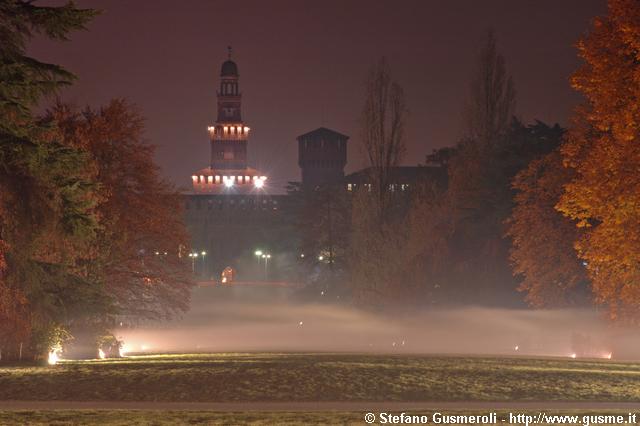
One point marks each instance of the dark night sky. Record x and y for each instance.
(300, 61)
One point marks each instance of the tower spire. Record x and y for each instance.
(229, 48)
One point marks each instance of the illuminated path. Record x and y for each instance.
(322, 406)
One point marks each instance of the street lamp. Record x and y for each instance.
(259, 255)
(193, 257)
(266, 263)
(204, 265)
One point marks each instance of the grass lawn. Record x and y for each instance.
(131, 417)
(324, 377)
(135, 418)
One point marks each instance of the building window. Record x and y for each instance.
(349, 187)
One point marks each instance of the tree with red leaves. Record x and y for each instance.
(142, 237)
(603, 150)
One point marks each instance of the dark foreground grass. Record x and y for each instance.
(324, 377)
(139, 418)
(135, 418)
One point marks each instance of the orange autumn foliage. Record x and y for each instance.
(542, 251)
(142, 235)
(603, 149)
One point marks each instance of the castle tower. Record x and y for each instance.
(229, 136)
(322, 155)
(228, 171)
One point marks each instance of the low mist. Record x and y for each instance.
(255, 318)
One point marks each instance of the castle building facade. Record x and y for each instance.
(235, 224)
(229, 213)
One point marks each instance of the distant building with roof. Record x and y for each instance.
(402, 178)
(322, 156)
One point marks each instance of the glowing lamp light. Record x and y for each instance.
(101, 354)
(258, 253)
(573, 355)
(123, 350)
(258, 183)
(53, 357)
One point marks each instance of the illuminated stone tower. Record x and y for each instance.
(229, 136)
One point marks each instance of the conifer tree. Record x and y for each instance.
(46, 205)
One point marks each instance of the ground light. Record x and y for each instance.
(53, 357)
